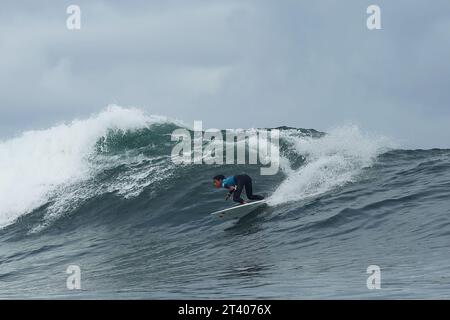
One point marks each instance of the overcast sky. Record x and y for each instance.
(310, 64)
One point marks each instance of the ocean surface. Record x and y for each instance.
(103, 194)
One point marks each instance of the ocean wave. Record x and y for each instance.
(40, 165)
(104, 193)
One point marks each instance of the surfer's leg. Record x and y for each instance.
(249, 190)
(238, 191)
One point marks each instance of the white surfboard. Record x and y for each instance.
(239, 210)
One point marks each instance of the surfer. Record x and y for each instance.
(235, 185)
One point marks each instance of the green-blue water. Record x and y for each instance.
(104, 194)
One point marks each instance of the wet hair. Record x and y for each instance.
(219, 177)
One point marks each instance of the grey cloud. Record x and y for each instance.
(232, 64)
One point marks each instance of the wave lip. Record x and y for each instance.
(37, 164)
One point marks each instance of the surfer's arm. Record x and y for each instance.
(230, 192)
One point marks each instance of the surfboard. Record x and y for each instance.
(239, 210)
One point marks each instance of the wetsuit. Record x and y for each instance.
(239, 182)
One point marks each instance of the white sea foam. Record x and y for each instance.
(330, 161)
(39, 164)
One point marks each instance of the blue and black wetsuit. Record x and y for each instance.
(239, 182)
